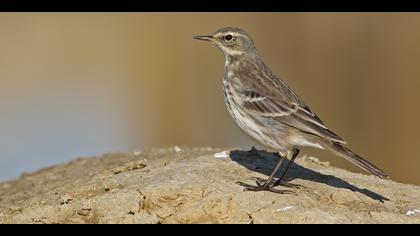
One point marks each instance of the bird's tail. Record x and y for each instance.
(342, 151)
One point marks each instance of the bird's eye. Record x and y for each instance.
(228, 37)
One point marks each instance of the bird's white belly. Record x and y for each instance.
(246, 123)
(249, 124)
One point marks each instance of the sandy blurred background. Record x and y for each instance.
(79, 84)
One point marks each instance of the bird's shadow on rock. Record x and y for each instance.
(265, 162)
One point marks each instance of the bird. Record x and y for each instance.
(269, 111)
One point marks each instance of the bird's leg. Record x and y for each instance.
(281, 180)
(266, 185)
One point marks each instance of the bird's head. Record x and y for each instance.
(231, 41)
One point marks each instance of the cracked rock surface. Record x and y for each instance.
(197, 185)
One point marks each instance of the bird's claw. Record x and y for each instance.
(263, 187)
(260, 182)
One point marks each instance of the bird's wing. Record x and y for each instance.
(289, 113)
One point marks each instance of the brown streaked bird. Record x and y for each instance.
(268, 110)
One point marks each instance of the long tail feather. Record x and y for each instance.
(357, 160)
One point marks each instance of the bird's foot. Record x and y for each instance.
(263, 186)
(261, 181)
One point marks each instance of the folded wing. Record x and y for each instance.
(292, 114)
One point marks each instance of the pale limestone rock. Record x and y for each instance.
(193, 185)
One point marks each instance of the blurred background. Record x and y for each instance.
(81, 84)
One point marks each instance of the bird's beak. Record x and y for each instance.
(204, 37)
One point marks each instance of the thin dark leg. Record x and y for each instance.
(281, 181)
(270, 179)
(267, 184)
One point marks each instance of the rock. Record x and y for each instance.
(192, 185)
